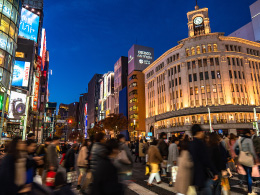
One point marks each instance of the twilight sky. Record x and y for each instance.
(85, 37)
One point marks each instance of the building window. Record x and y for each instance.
(252, 77)
(235, 74)
(237, 88)
(230, 74)
(193, 64)
(196, 90)
(232, 88)
(176, 82)
(190, 78)
(133, 85)
(208, 88)
(179, 68)
(217, 61)
(233, 61)
(200, 63)
(177, 95)
(209, 101)
(228, 59)
(214, 88)
(215, 47)
(213, 74)
(192, 51)
(241, 62)
(133, 77)
(211, 61)
(239, 75)
(218, 74)
(237, 61)
(249, 64)
(203, 102)
(243, 75)
(219, 88)
(191, 90)
(202, 89)
(133, 92)
(227, 47)
(180, 93)
(194, 77)
(203, 49)
(187, 52)
(198, 49)
(204, 62)
(188, 65)
(179, 80)
(201, 76)
(209, 48)
(206, 75)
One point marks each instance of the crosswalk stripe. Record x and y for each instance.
(140, 190)
(164, 186)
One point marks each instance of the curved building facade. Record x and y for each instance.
(206, 77)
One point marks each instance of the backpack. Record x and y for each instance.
(237, 150)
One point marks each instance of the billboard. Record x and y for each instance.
(29, 25)
(37, 83)
(17, 105)
(86, 119)
(139, 58)
(21, 73)
(43, 48)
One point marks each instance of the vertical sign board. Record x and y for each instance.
(37, 83)
(86, 119)
(43, 48)
(21, 74)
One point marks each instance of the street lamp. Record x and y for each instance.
(26, 116)
(134, 129)
(210, 127)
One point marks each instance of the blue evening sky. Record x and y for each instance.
(85, 37)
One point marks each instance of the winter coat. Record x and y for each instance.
(246, 144)
(256, 143)
(82, 157)
(98, 151)
(173, 154)
(184, 175)
(105, 179)
(141, 146)
(163, 148)
(154, 155)
(52, 157)
(70, 159)
(122, 167)
(201, 160)
(218, 156)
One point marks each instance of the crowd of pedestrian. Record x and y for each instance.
(201, 163)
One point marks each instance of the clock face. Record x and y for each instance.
(198, 20)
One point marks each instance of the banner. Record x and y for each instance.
(37, 83)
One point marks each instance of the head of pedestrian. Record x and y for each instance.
(197, 131)
(31, 146)
(16, 146)
(214, 139)
(31, 136)
(100, 138)
(154, 142)
(112, 148)
(121, 138)
(252, 132)
(175, 140)
(163, 135)
(56, 140)
(75, 146)
(247, 133)
(47, 141)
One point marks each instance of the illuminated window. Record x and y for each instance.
(215, 47)
(218, 74)
(202, 89)
(221, 101)
(19, 54)
(203, 49)
(191, 90)
(197, 103)
(214, 88)
(2, 57)
(208, 88)
(180, 93)
(187, 52)
(3, 38)
(7, 8)
(196, 90)
(209, 101)
(5, 22)
(192, 51)
(12, 30)
(198, 49)
(219, 88)
(216, 101)
(209, 48)
(203, 102)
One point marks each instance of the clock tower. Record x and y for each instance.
(198, 22)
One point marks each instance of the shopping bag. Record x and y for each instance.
(37, 179)
(50, 178)
(72, 177)
(147, 170)
(255, 172)
(174, 171)
(191, 190)
(225, 186)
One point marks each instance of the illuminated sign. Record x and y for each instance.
(37, 83)
(21, 74)
(86, 119)
(43, 48)
(29, 25)
(19, 54)
(17, 105)
(139, 57)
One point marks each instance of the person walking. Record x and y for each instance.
(141, 151)
(52, 156)
(42, 151)
(202, 168)
(70, 158)
(256, 143)
(82, 162)
(105, 176)
(163, 148)
(154, 159)
(245, 145)
(172, 156)
(137, 151)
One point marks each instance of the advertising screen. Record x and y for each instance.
(43, 48)
(21, 74)
(17, 105)
(139, 58)
(37, 83)
(29, 25)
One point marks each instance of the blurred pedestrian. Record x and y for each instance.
(52, 156)
(154, 159)
(163, 148)
(82, 162)
(105, 176)
(70, 158)
(256, 142)
(137, 151)
(203, 169)
(141, 151)
(173, 156)
(31, 136)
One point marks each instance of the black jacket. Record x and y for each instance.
(218, 157)
(163, 148)
(201, 161)
(105, 179)
(70, 158)
(98, 151)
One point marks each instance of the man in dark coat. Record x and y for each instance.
(70, 158)
(202, 168)
(256, 142)
(163, 148)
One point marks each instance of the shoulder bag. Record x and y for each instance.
(245, 158)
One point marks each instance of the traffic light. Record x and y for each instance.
(70, 121)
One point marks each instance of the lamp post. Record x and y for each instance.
(134, 129)
(256, 122)
(26, 116)
(210, 127)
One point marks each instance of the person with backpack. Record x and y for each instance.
(247, 157)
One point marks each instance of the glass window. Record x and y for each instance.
(241, 88)
(213, 75)
(235, 74)
(239, 75)
(1, 74)
(203, 49)
(230, 74)
(190, 78)
(208, 88)
(188, 64)
(237, 88)
(204, 62)
(179, 80)
(180, 93)
(198, 49)
(3, 41)
(193, 64)
(211, 61)
(5, 22)
(238, 62)
(200, 63)
(202, 89)
(196, 90)
(187, 52)
(201, 76)
(10, 46)
(233, 61)
(206, 75)
(228, 59)
(217, 61)
(12, 30)
(241, 62)
(218, 74)
(214, 88)
(191, 90)
(7, 8)
(14, 16)
(209, 48)
(179, 68)
(2, 57)
(232, 88)
(194, 77)
(1, 5)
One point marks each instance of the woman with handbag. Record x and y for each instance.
(246, 157)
